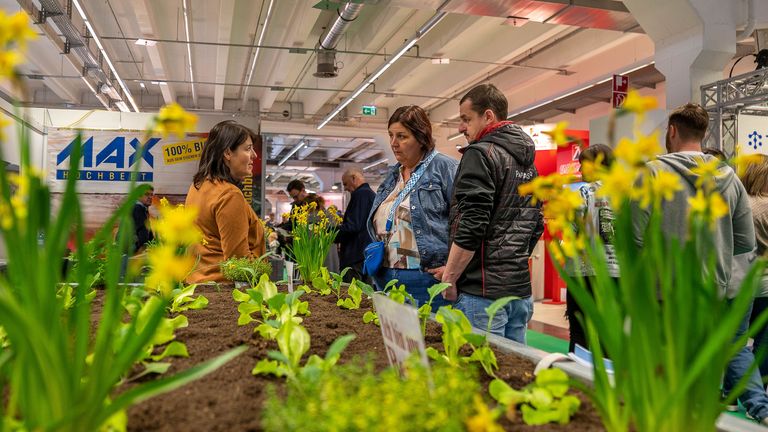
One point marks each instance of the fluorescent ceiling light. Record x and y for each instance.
(293, 151)
(122, 106)
(256, 54)
(189, 52)
(142, 85)
(159, 83)
(96, 39)
(145, 42)
(378, 162)
(431, 23)
(580, 89)
(441, 60)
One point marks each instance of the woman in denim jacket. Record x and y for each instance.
(417, 244)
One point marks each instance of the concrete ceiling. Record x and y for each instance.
(532, 49)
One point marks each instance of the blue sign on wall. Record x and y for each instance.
(110, 162)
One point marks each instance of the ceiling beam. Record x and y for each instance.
(226, 17)
(146, 22)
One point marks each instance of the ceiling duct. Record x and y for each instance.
(326, 57)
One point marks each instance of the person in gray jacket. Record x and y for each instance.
(733, 235)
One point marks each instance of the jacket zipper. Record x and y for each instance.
(482, 264)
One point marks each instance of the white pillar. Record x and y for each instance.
(694, 40)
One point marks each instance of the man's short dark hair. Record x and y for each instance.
(487, 97)
(691, 122)
(295, 185)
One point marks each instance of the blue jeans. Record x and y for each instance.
(510, 322)
(753, 397)
(416, 283)
(761, 337)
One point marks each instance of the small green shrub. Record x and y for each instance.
(352, 397)
(245, 269)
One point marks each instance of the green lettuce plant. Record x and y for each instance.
(246, 269)
(541, 402)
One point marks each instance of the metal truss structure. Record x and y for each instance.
(724, 100)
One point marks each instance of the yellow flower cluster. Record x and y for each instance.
(15, 32)
(173, 118)
(639, 105)
(484, 419)
(335, 214)
(176, 231)
(17, 207)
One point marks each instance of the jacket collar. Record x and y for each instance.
(488, 129)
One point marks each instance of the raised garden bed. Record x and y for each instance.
(230, 399)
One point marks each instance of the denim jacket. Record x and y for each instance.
(430, 204)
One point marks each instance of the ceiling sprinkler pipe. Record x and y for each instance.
(347, 14)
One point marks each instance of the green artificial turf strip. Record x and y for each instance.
(546, 342)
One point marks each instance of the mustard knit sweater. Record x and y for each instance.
(230, 228)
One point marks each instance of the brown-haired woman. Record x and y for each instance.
(755, 181)
(230, 226)
(416, 243)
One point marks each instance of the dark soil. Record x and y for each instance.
(230, 398)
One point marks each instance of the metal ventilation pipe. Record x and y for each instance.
(347, 14)
(326, 56)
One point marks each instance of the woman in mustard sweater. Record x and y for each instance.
(230, 226)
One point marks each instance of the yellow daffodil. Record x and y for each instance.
(659, 187)
(707, 171)
(6, 218)
(484, 420)
(558, 134)
(19, 29)
(572, 243)
(743, 161)
(710, 207)
(167, 267)
(177, 226)
(618, 184)
(545, 188)
(8, 62)
(637, 153)
(173, 118)
(635, 103)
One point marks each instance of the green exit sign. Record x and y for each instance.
(369, 110)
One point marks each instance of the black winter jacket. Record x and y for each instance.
(489, 217)
(353, 235)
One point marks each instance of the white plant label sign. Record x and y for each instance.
(401, 330)
(289, 270)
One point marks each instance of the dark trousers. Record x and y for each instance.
(355, 271)
(578, 334)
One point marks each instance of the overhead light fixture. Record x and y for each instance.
(189, 52)
(581, 89)
(122, 106)
(441, 60)
(96, 39)
(256, 53)
(145, 42)
(378, 162)
(431, 23)
(334, 187)
(455, 136)
(93, 89)
(162, 83)
(110, 91)
(142, 85)
(293, 151)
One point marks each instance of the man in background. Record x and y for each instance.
(353, 236)
(140, 216)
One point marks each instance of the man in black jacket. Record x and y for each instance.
(353, 236)
(493, 229)
(140, 216)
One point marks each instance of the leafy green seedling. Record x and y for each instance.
(355, 296)
(425, 310)
(541, 402)
(182, 299)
